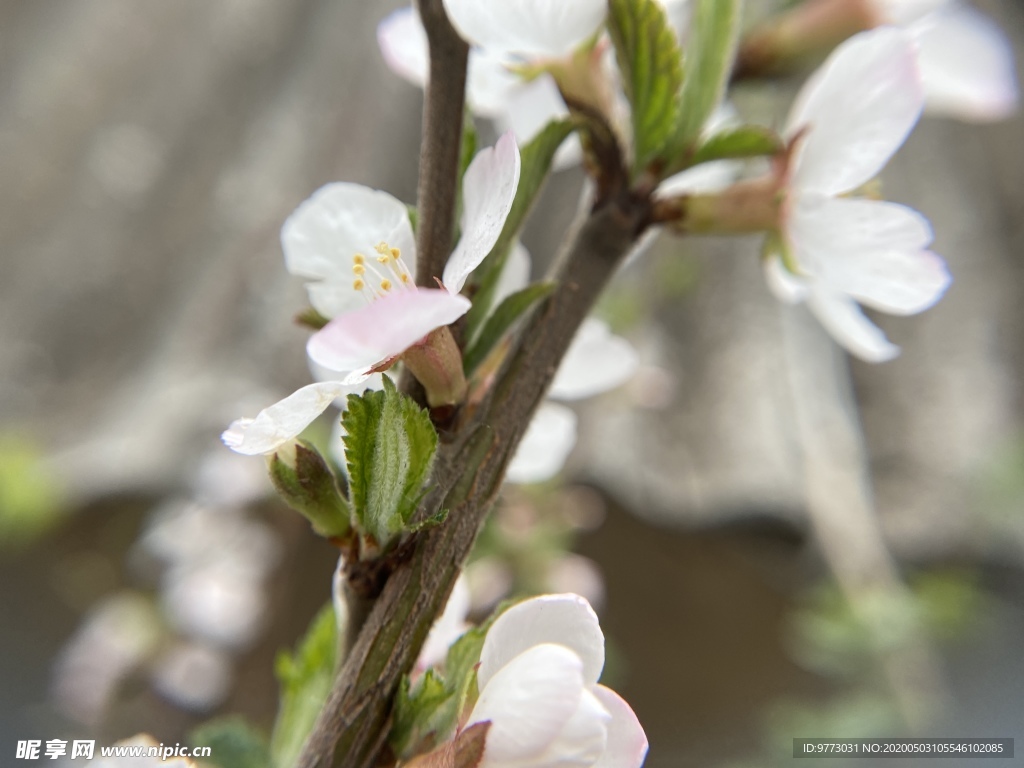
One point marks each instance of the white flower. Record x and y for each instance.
(493, 89)
(538, 675)
(377, 311)
(848, 120)
(533, 29)
(966, 61)
(597, 361)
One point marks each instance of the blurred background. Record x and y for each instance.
(782, 543)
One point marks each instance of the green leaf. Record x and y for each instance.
(652, 71)
(304, 480)
(311, 318)
(536, 157)
(389, 447)
(510, 310)
(233, 743)
(709, 61)
(467, 149)
(421, 717)
(740, 142)
(305, 678)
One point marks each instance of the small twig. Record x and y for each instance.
(439, 155)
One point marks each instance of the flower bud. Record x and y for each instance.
(306, 483)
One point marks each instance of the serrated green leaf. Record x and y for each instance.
(417, 726)
(233, 743)
(740, 142)
(389, 448)
(535, 165)
(709, 61)
(305, 678)
(652, 72)
(510, 310)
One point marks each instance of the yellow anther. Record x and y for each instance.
(383, 249)
(358, 258)
(396, 254)
(382, 259)
(358, 285)
(359, 269)
(405, 278)
(385, 285)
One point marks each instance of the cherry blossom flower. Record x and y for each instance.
(493, 89)
(597, 361)
(847, 122)
(966, 61)
(538, 674)
(378, 312)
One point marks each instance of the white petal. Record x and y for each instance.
(787, 287)
(529, 108)
(858, 109)
(491, 83)
(528, 702)
(564, 619)
(488, 189)
(403, 43)
(821, 228)
(706, 178)
(627, 742)
(548, 441)
(384, 328)
(282, 421)
(516, 274)
(597, 361)
(870, 249)
(966, 62)
(582, 740)
(449, 626)
(340, 220)
(846, 324)
(528, 27)
(338, 599)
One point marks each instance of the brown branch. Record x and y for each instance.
(442, 135)
(352, 727)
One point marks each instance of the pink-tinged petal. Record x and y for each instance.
(403, 44)
(563, 619)
(902, 12)
(787, 287)
(340, 220)
(582, 740)
(857, 110)
(528, 702)
(529, 108)
(846, 323)
(540, 28)
(548, 441)
(282, 421)
(384, 328)
(488, 189)
(827, 233)
(449, 626)
(597, 361)
(967, 66)
(627, 742)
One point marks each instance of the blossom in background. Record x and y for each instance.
(965, 59)
(538, 674)
(377, 310)
(493, 89)
(597, 361)
(848, 120)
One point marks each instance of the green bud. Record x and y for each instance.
(306, 483)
